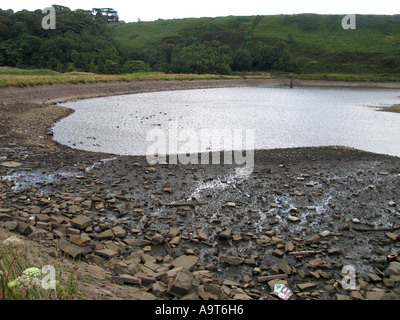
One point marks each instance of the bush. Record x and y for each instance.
(242, 60)
(111, 67)
(132, 66)
(206, 58)
(391, 62)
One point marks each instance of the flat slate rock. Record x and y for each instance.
(187, 262)
(70, 248)
(81, 222)
(10, 164)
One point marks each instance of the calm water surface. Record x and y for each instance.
(280, 117)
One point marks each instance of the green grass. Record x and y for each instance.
(22, 72)
(135, 35)
(21, 78)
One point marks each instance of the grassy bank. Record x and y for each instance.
(13, 77)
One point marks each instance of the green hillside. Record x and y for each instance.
(91, 41)
(317, 43)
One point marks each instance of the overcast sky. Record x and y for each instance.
(148, 10)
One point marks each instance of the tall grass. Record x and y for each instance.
(11, 77)
(33, 72)
(16, 258)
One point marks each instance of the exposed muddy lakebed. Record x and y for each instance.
(290, 198)
(340, 204)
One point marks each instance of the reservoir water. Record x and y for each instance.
(279, 117)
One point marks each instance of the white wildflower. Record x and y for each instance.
(32, 272)
(26, 281)
(12, 284)
(13, 240)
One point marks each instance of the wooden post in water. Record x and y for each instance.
(291, 80)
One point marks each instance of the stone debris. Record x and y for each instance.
(293, 219)
(225, 235)
(10, 164)
(69, 248)
(182, 277)
(186, 262)
(81, 222)
(232, 260)
(393, 269)
(190, 250)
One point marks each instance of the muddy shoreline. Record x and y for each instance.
(340, 204)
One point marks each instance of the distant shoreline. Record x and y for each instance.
(61, 92)
(395, 108)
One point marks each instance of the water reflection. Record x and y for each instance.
(281, 118)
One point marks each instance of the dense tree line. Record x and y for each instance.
(83, 42)
(192, 56)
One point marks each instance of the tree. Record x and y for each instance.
(93, 67)
(110, 67)
(209, 57)
(263, 57)
(135, 66)
(266, 57)
(110, 15)
(28, 47)
(242, 60)
(58, 49)
(2, 60)
(158, 57)
(77, 40)
(61, 9)
(9, 51)
(70, 67)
